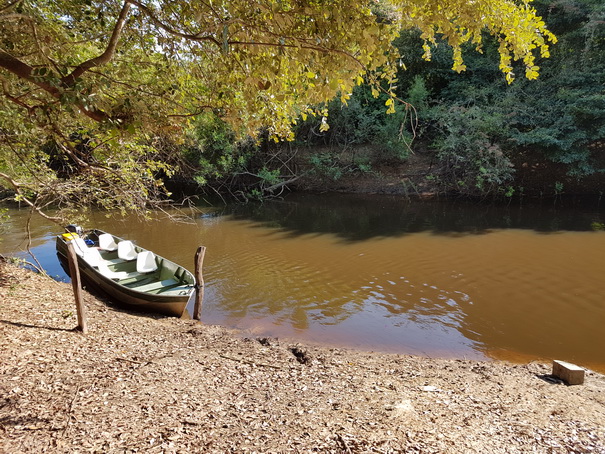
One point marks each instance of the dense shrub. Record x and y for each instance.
(361, 121)
(471, 158)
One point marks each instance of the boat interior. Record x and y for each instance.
(132, 266)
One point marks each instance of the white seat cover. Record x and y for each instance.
(126, 250)
(146, 262)
(107, 243)
(93, 257)
(80, 246)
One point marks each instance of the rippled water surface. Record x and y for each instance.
(440, 278)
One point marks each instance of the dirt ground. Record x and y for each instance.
(141, 383)
(419, 174)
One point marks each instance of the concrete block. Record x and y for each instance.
(569, 373)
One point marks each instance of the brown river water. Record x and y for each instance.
(435, 278)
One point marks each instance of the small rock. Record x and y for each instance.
(431, 389)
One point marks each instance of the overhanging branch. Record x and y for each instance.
(10, 5)
(107, 55)
(158, 23)
(24, 71)
(17, 187)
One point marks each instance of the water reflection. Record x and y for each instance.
(428, 277)
(359, 217)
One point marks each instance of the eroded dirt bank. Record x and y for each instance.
(420, 174)
(149, 384)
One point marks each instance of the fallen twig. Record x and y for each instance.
(71, 410)
(133, 361)
(343, 442)
(249, 362)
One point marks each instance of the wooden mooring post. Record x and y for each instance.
(74, 273)
(199, 283)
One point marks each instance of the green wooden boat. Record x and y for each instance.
(129, 274)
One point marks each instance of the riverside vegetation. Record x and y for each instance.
(102, 104)
(470, 134)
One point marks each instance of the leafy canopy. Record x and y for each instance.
(100, 81)
(562, 114)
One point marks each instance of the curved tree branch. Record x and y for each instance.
(24, 71)
(107, 55)
(158, 23)
(17, 187)
(16, 99)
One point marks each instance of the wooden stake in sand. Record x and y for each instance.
(74, 273)
(199, 283)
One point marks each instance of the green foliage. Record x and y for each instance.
(471, 160)
(561, 117)
(213, 149)
(560, 114)
(351, 124)
(565, 110)
(246, 169)
(361, 121)
(392, 137)
(334, 165)
(597, 226)
(326, 165)
(418, 94)
(261, 188)
(269, 177)
(4, 218)
(362, 163)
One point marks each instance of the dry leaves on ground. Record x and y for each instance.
(143, 383)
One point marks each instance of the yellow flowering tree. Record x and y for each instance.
(88, 86)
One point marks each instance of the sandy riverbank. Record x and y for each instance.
(139, 383)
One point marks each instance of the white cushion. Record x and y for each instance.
(80, 246)
(93, 257)
(146, 262)
(107, 243)
(126, 250)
